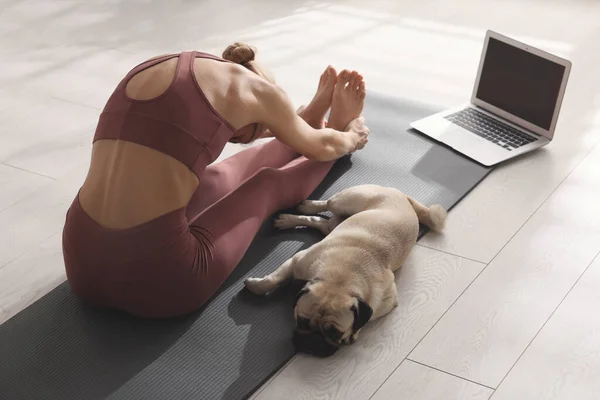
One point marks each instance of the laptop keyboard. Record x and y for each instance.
(490, 129)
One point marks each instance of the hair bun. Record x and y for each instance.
(239, 53)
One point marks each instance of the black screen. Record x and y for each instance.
(520, 83)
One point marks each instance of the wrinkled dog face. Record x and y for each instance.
(327, 317)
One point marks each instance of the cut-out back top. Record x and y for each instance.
(180, 122)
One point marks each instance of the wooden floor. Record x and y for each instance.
(503, 305)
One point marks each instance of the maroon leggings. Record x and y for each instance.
(236, 196)
(172, 265)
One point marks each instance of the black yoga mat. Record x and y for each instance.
(60, 349)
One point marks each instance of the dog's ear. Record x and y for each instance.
(362, 315)
(300, 288)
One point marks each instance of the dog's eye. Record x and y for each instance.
(303, 323)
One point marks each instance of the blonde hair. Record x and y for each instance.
(243, 54)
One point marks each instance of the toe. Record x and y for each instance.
(331, 74)
(343, 78)
(352, 84)
(259, 286)
(362, 90)
(359, 80)
(284, 221)
(323, 78)
(253, 285)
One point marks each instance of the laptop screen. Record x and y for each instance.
(520, 83)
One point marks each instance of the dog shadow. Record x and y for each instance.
(270, 335)
(268, 339)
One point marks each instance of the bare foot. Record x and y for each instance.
(314, 113)
(348, 100)
(360, 133)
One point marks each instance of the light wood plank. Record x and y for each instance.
(38, 216)
(258, 391)
(484, 333)
(55, 157)
(44, 135)
(16, 184)
(29, 114)
(563, 362)
(428, 283)
(418, 382)
(50, 71)
(30, 277)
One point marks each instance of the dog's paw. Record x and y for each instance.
(285, 221)
(311, 207)
(258, 286)
(305, 207)
(351, 339)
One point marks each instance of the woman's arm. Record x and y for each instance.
(268, 134)
(270, 106)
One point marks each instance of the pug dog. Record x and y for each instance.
(348, 277)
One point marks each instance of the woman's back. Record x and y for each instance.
(145, 173)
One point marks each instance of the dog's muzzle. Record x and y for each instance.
(313, 343)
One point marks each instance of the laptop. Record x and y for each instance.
(514, 107)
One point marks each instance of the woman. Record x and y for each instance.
(155, 229)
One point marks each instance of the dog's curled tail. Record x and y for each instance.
(434, 217)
